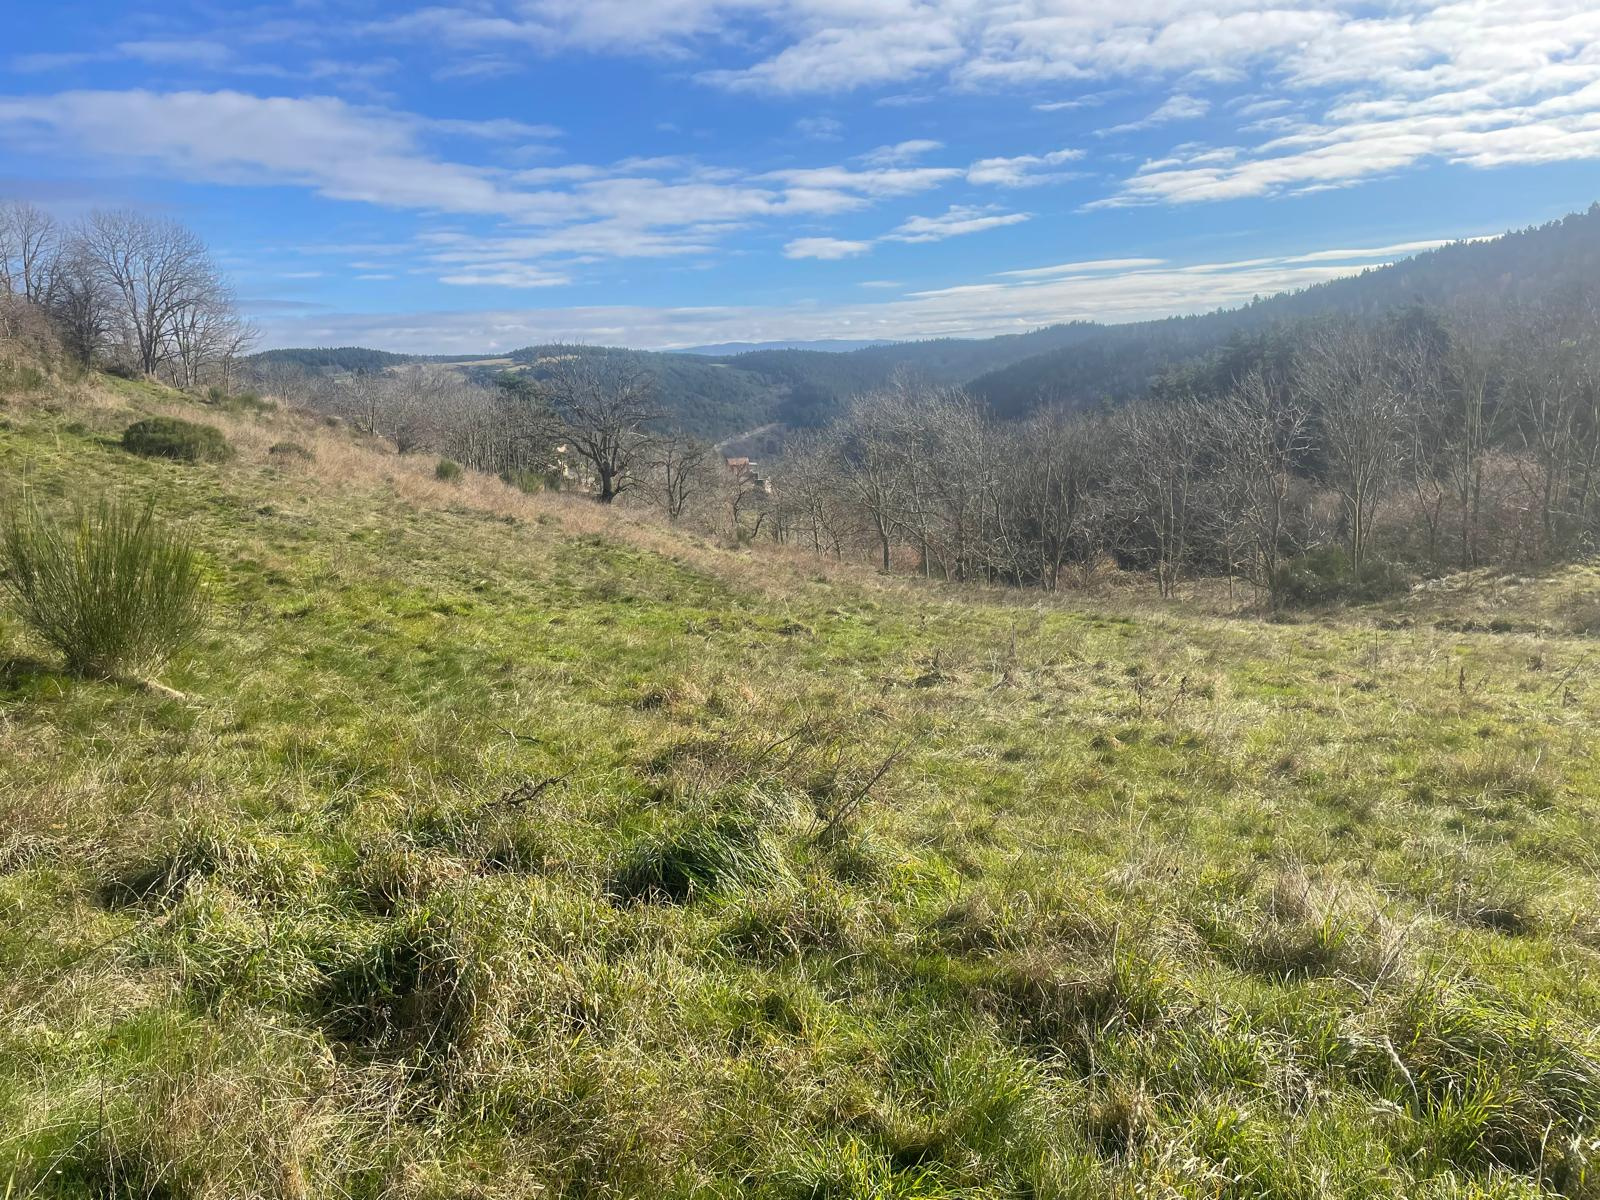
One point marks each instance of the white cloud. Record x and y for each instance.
(875, 181)
(847, 57)
(636, 208)
(819, 129)
(900, 153)
(958, 220)
(510, 275)
(341, 150)
(1091, 100)
(1391, 84)
(1027, 302)
(1179, 107)
(1318, 157)
(824, 247)
(1084, 267)
(1022, 170)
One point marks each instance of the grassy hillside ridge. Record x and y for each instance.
(505, 846)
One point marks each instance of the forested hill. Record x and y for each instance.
(1080, 363)
(1556, 263)
(1084, 363)
(349, 358)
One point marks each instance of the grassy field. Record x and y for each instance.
(498, 846)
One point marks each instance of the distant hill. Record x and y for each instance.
(331, 358)
(831, 346)
(318, 359)
(718, 391)
(1556, 262)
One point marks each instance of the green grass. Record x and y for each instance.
(498, 857)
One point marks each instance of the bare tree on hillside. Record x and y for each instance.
(811, 496)
(153, 271)
(362, 399)
(678, 470)
(870, 446)
(30, 246)
(1159, 478)
(80, 303)
(1347, 374)
(1262, 433)
(418, 397)
(1471, 429)
(233, 339)
(206, 333)
(955, 469)
(605, 405)
(1550, 369)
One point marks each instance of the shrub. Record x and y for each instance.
(1325, 576)
(531, 482)
(169, 437)
(23, 377)
(1583, 616)
(286, 452)
(235, 402)
(109, 588)
(447, 471)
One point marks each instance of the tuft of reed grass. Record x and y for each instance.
(109, 588)
(700, 858)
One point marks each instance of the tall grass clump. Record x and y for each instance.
(109, 588)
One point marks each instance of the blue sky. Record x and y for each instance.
(465, 177)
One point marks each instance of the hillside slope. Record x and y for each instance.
(1079, 363)
(504, 847)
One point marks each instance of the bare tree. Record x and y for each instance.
(1158, 479)
(418, 396)
(153, 271)
(201, 330)
(362, 398)
(80, 303)
(30, 246)
(528, 430)
(1550, 387)
(1261, 433)
(868, 446)
(605, 404)
(1471, 428)
(954, 472)
(678, 473)
(745, 492)
(1347, 375)
(1052, 470)
(232, 341)
(811, 496)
